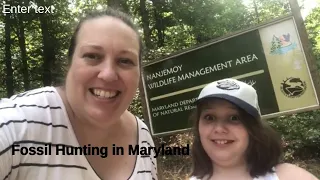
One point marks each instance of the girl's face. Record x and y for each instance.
(222, 134)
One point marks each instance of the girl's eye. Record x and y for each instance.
(234, 118)
(208, 117)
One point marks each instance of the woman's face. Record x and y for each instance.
(104, 74)
(222, 134)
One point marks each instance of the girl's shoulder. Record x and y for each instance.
(268, 176)
(288, 171)
(195, 178)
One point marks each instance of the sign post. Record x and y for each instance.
(295, 9)
(269, 57)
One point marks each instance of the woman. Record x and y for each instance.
(232, 142)
(83, 130)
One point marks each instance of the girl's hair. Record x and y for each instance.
(263, 152)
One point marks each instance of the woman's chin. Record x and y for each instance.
(101, 116)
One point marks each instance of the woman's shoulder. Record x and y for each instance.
(142, 125)
(31, 104)
(144, 134)
(288, 171)
(25, 101)
(146, 140)
(34, 99)
(29, 116)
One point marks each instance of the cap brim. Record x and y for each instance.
(236, 101)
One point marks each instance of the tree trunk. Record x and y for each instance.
(48, 51)
(306, 44)
(145, 23)
(113, 3)
(124, 6)
(22, 45)
(256, 10)
(159, 26)
(118, 4)
(8, 59)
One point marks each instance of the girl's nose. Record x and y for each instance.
(219, 127)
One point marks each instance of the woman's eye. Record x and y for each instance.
(126, 61)
(92, 56)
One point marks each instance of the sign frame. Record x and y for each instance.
(309, 63)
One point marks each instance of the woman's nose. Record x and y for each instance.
(108, 72)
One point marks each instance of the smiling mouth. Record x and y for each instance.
(222, 141)
(104, 94)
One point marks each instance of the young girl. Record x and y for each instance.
(232, 142)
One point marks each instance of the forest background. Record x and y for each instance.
(33, 54)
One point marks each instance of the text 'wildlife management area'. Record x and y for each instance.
(59, 149)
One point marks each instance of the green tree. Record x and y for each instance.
(313, 27)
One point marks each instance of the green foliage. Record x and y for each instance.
(275, 44)
(301, 134)
(313, 28)
(211, 19)
(136, 106)
(174, 25)
(268, 9)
